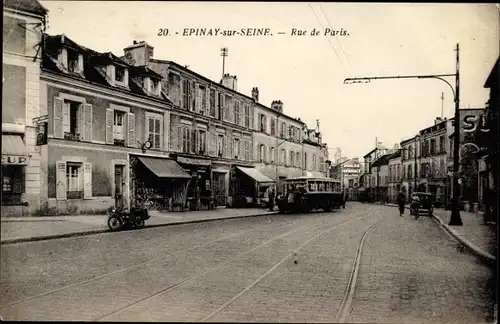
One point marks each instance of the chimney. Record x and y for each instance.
(438, 120)
(139, 53)
(255, 94)
(277, 105)
(230, 81)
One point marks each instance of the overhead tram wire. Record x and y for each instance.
(321, 25)
(337, 39)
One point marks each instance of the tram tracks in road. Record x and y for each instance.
(287, 222)
(347, 298)
(204, 272)
(227, 262)
(345, 306)
(79, 283)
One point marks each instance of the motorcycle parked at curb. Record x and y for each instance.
(123, 219)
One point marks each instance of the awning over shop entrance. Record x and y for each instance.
(14, 150)
(164, 168)
(13, 145)
(255, 174)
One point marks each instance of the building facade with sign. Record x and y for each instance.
(210, 127)
(108, 132)
(487, 139)
(471, 120)
(23, 25)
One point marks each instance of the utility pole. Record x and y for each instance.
(455, 212)
(455, 208)
(223, 53)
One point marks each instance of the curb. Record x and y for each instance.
(106, 230)
(485, 256)
(490, 259)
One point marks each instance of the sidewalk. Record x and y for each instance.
(25, 229)
(474, 234)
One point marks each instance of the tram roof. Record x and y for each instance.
(312, 179)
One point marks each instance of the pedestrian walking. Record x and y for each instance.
(344, 199)
(401, 202)
(271, 196)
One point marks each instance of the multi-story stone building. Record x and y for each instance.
(487, 140)
(279, 142)
(367, 192)
(394, 176)
(108, 132)
(122, 130)
(23, 25)
(247, 140)
(409, 154)
(380, 177)
(432, 160)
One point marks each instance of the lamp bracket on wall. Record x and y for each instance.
(145, 146)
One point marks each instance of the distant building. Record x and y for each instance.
(395, 173)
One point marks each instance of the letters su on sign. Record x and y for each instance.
(472, 122)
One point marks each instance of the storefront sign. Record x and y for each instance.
(14, 160)
(186, 160)
(474, 120)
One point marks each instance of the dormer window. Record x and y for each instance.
(120, 74)
(73, 60)
(156, 86)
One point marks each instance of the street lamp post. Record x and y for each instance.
(455, 219)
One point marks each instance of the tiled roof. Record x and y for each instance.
(141, 70)
(92, 65)
(31, 6)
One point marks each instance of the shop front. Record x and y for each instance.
(220, 183)
(249, 186)
(14, 162)
(159, 181)
(199, 189)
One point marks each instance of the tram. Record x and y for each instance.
(304, 194)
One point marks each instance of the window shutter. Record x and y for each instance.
(58, 118)
(61, 180)
(110, 116)
(80, 63)
(87, 122)
(227, 143)
(131, 129)
(87, 180)
(65, 117)
(80, 122)
(213, 143)
(252, 117)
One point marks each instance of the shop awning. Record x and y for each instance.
(164, 168)
(255, 174)
(13, 145)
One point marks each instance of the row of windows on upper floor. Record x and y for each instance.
(424, 170)
(191, 96)
(194, 97)
(74, 121)
(427, 147)
(290, 158)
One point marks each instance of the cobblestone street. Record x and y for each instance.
(278, 268)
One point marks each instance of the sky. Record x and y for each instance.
(307, 72)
